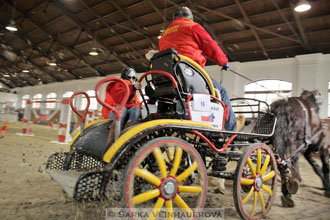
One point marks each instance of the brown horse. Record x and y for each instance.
(299, 131)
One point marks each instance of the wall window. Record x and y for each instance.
(268, 90)
(24, 100)
(36, 101)
(67, 94)
(51, 100)
(93, 104)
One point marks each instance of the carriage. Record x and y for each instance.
(163, 162)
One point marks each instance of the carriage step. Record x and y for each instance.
(67, 179)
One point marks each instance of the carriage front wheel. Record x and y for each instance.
(166, 174)
(255, 182)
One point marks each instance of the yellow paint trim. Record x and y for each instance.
(139, 128)
(197, 66)
(86, 126)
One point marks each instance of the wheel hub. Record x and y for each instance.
(258, 182)
(168, 188)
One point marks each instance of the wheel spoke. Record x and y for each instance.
(254, 204)
(160, 161)
(245, 181)
(155, 211)
(190, 189)
(258, 160)
(246, 199)
(187, 172)
(266, 188)
(262, 201)
(169, 155)
(264, 167)
(169, 209)
(145, 196)
(268, 176)
(145, 174)
(184, 207)
(177, 161)
(252, 169)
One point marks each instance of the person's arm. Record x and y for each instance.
(209, 46)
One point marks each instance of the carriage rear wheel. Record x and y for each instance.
(166, 174)
(255, 182)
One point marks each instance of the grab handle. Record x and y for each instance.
(123, 102)
(81, 115)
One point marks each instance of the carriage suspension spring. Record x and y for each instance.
(219, 164)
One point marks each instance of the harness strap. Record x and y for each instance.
(308, 132)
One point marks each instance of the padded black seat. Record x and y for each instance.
(189, 79)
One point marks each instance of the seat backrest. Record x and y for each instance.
(189, 79)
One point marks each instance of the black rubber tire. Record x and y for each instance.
(135, 185)
(242, 200)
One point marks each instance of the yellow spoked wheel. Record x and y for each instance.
(255, 182)
(166, 178)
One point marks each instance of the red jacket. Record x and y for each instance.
(114, 93)
(192, 40)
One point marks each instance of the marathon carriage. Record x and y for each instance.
(164, 161)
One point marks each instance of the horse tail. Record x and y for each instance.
(281, 109)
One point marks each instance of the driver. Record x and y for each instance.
(192, 40)
(113, 96)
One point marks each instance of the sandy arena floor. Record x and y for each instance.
(27, 192)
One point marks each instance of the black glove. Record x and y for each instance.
(225, 67)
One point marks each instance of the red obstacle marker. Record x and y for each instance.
(4, 128)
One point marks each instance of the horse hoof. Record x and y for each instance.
(293, 186)
(287, 201)
(327, 194)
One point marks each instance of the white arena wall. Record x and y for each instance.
(305, 72)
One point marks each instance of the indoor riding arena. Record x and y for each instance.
(164, 109)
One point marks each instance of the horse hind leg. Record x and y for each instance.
(324, 155)
(324, 173)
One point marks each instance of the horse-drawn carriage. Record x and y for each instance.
(165, 160)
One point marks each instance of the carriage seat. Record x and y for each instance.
(189, 79)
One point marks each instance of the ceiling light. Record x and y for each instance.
(52, 63)
(11, 26)
(93, 52)
(25, 71)
(6, 75)
(302, 6)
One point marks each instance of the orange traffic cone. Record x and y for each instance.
(4, 128)
(61, 132)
